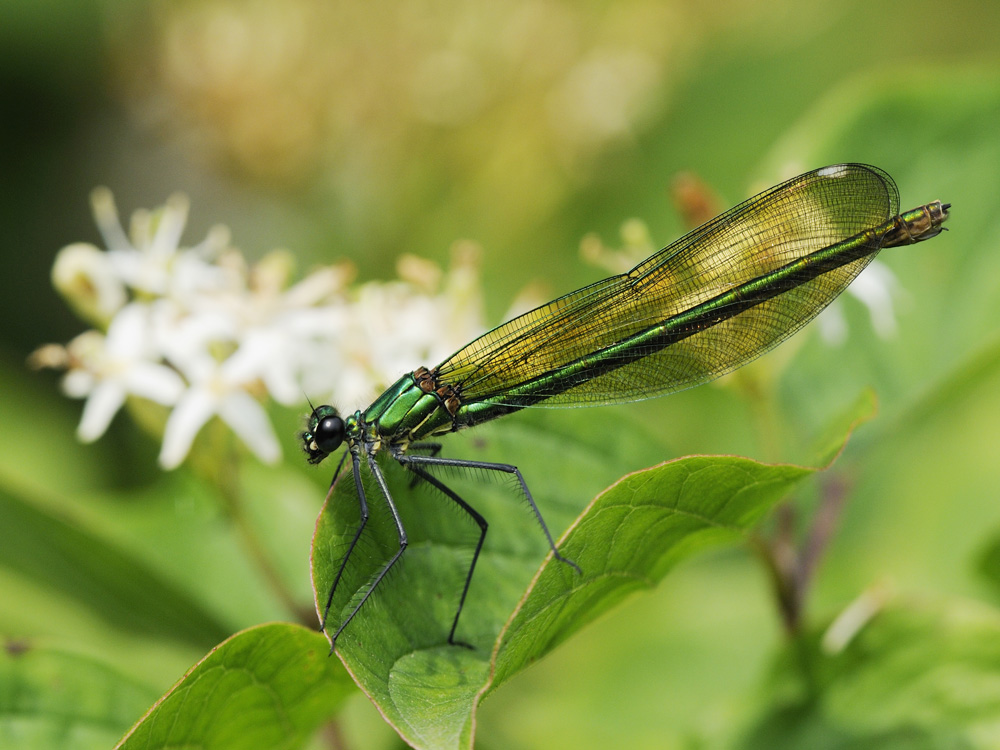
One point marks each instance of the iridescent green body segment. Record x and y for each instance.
(703, 306)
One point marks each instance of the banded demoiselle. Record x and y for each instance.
(703, 306)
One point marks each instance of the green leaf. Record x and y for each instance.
(917, 675)
(632, 535)
(626, 539)
(50, 698)
(270, 686)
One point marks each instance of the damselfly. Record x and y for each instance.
(703, 306)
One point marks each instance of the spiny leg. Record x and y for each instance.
(432, 449)
(483, 526)
(377, 473)
(426, 447)
(410, 461)
(360, 491)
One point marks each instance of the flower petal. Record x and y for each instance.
(249, 421)
(104, 402)
(87, 279)
(106, 216)
(170, 225)
(78, 383)
(190, 415)
(155, 382)
(832, 325)
(129, 332)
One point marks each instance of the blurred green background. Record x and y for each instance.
(365, 130)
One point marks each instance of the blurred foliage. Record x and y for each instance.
(367, 130)
(881, 690)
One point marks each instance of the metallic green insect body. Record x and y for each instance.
(703, 306)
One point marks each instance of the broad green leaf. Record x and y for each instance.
(626, 539)
(51, 698)
(914, 675)
(270, 686)
(632, 535)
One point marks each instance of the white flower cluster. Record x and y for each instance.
(198, 330)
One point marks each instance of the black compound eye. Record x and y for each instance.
(329, 434)
(325, 433)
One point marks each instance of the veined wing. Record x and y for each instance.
(787, 222)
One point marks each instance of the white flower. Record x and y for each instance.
(85, 276)
(875, 288)
(106, 369)
(149, 259)
(218, 390)
(201, 331)
(286, 332)
(142, 260)
(391, 328)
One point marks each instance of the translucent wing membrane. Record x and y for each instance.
(607, 320)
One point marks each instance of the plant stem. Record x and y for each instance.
(791, 566)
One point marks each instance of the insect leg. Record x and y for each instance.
(411, 461)
(377, 473)
(480, 521)
(428, 448)
(432, 449)
(360, 491)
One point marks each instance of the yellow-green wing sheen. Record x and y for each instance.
(765, 233)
